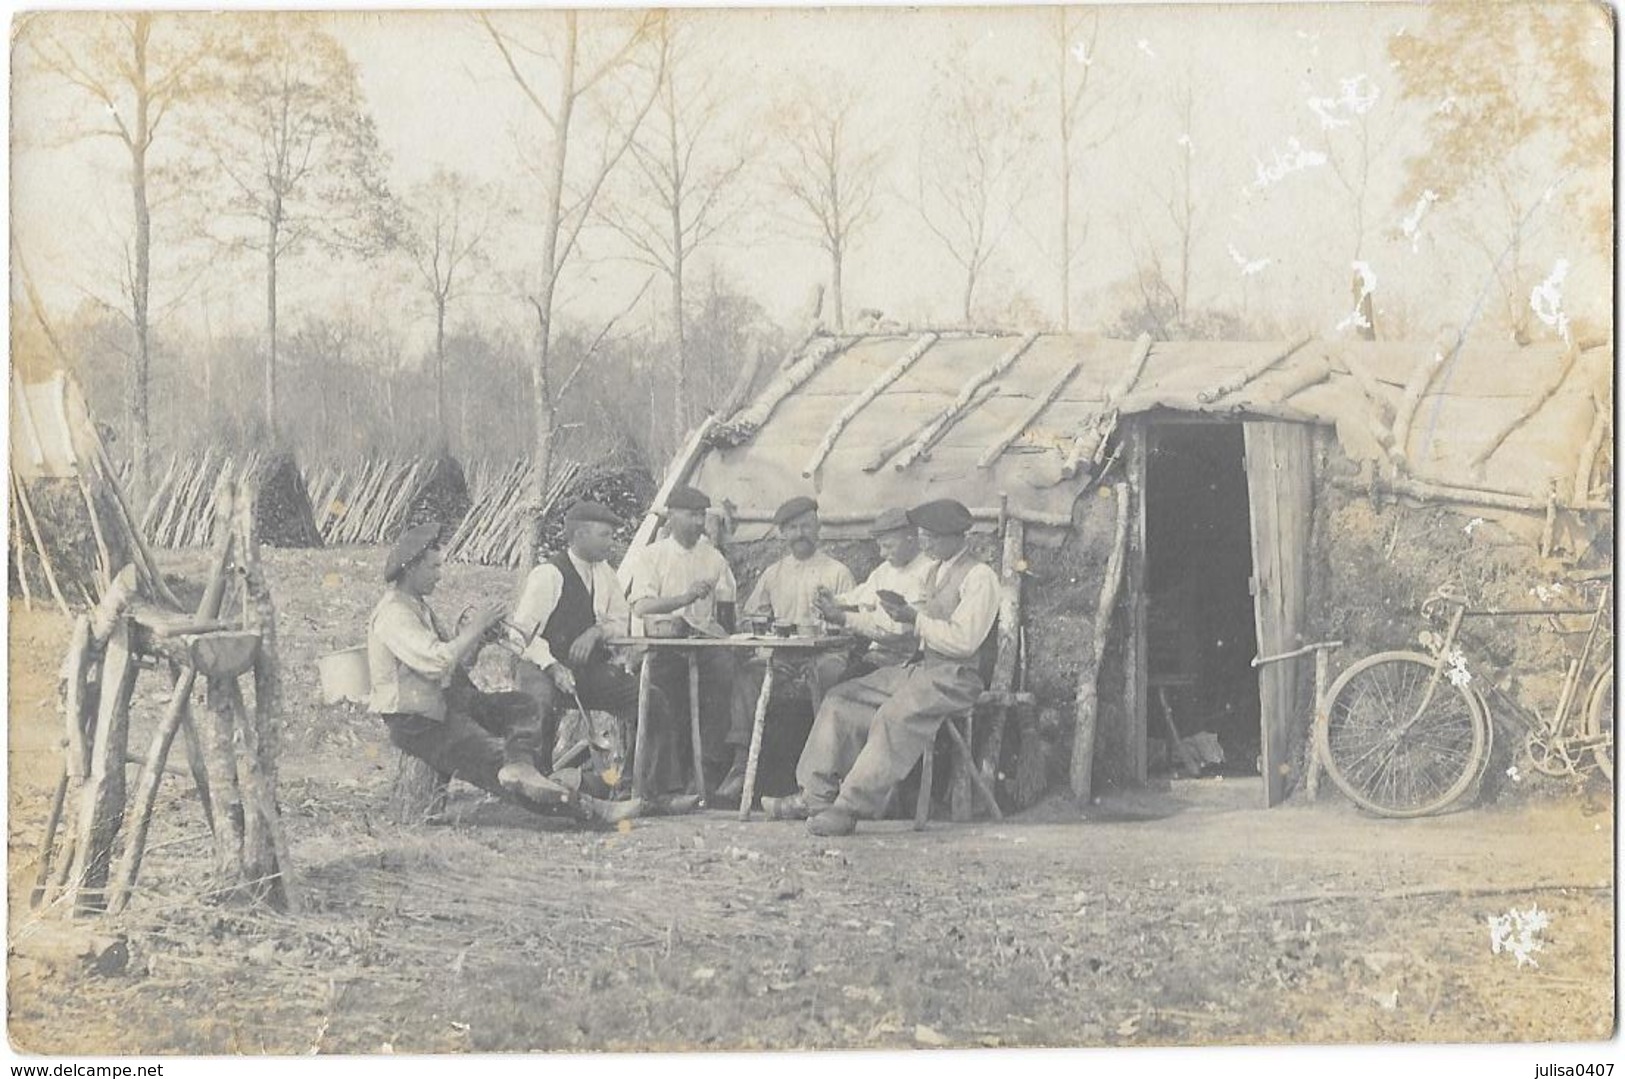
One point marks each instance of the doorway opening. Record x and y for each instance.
(1201, 636)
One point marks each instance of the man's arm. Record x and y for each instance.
(537, 602)
(962, 633)
(418, 646)
(617, 617)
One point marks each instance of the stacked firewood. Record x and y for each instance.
(497, 526)
(180, 512)
(372, 502)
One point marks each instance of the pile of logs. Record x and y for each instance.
(232, 751)
(182, 510)
(498, 523)
(373, 502)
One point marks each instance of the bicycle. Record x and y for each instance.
(1406, 734)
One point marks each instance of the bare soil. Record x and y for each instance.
(1187, 916)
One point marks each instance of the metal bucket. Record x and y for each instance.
(345, 676)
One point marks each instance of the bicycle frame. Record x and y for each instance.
(1545, 733)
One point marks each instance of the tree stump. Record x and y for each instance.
(418, 794)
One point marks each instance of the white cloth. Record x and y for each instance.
(960, 635)
(540, 598)
(408, 657)
(787, 587)
(666, 568)
(907, 581)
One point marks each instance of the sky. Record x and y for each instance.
(1273, 237)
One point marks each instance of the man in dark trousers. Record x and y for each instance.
(432, 708)
(569, 606)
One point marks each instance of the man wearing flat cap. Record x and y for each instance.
(432, 708)
(567, 608)
(902, 570)
(684, 574)
(787, 593)
(870, 731)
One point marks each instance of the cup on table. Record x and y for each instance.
(784, 629)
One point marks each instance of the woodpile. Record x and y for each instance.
(181, 512)
(232, 750)
(497, 526)
(373, 502)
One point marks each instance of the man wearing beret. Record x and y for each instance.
(787, 592)
(684, 574)
(567, 608)
(870, 732)
(432, 708)
(903, 570)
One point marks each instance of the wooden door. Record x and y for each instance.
(1280, 502)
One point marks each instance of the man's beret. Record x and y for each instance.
(945, 516)
(408, 549)
(890, 520)
(591, 511)
(795, 508)
(687, 498)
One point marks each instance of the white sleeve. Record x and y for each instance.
(872, 623)
(537, 601)
(962, 633)
(617, 617)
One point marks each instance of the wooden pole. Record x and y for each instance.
(1087, 446)
(17, 547)
(1028, 418)
(145, 563)
(146, 794)
(640, 740)
(1565, 364)
(971, 393)
(1230, 385)
(1011, 567)
(753, 756)
(1083, 746)
(741, 427)
(215, 726)
(676, 474)
(862, 400)
(694, 721)
(101, 809)
(39, 544)
(1427, 491)
(1588, 453)
(104, 560)
(43, 876)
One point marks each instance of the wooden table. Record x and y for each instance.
(691, 648)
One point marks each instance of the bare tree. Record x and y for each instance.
(297, 148)
(623, 78)
(971, 174)
(1079, 98)
(681, 191)
(830, 179)
(448, 218)
(138, 67)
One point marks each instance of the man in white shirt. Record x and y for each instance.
(684, 574)
(787, 593)
(433, 710)
(567, 608)
(903, 570)
(871, 731)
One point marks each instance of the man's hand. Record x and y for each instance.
(563, 677)
(582, 647)
(831, 611)
(899, 612)
(489, 615)
(698, 590)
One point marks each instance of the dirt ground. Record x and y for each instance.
(1182, 917)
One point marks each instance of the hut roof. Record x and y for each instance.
(850, 399)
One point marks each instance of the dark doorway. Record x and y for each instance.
(1200, 636)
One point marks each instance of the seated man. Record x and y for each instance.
(433, 710)
(567, 608)
(870, 732)
(683, 573)
(786, 593)
(902, 570)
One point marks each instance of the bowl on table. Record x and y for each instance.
(665, 626)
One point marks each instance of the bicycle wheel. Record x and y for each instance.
(1600, 720)
(1386, 758)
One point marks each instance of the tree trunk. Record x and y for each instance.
(440, 371)
(679, 393)
(835, 286)
(970, 290)
(140, 428)
(272, 229)
(553, 196)
(1066, 181)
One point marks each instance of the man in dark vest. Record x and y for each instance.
(870, 731)
(432, 708)
(569, 605)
